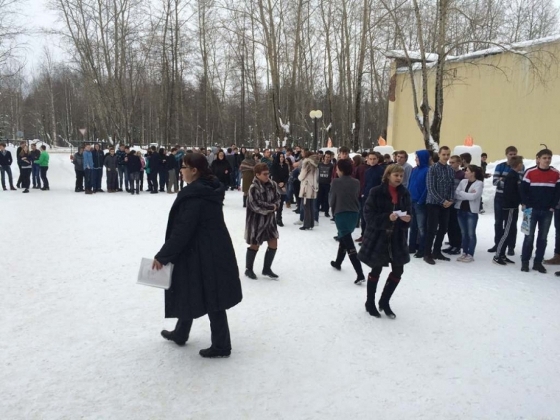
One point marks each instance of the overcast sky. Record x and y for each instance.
(36, 15)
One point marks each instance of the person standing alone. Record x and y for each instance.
(6, 167)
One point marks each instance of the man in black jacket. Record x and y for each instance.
(134, 166)
(5, 167)
(35, 168)
(155, 163)
(325, 168)
(78, 161)
(121, 166)
(510, 210)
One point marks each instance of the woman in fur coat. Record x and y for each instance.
(385, 238)
(262, 202)
(309, 187)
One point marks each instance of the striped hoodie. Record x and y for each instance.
(540, 188)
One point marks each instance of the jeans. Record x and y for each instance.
(467, 223)
(87, 176)
(499, 223)
(323, 197)
(134, 181)
(79, 180)
(454, 231)
(6, 170)
(542, 218)
(36, 175)
(510, 216)
(123, 174)
(44, 170)
(557, 227)
(218, 326)
(97, 177)
(436, 227)
(172, 182)
(417, 238)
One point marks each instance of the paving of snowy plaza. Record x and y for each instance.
(80, 339)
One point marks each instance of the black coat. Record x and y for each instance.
(219, 168)
(280, 174)
(155, 162)
(6, 160)
(98, 158)
(205, 277)
(133, 164)
(385, 241)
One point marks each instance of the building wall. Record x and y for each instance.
(498, 100)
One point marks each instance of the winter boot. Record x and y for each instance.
(180, 334)
(213, 353)
(537, 266)
(279, 222)
(357, 266)
(268, 258)
(390, 286)
(339, 257)
(244, 201)
(249, 261)
(554, 260)
(525, 266)
(370, 302)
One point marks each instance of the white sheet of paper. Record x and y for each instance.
(154, 278)
(400, 213)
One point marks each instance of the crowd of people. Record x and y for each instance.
(33, 164)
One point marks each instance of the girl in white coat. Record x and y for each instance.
(468, 195)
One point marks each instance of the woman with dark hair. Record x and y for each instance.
(387, 213)
(345, 203)
(262, 203)
(467, 196)
(247, 169)
(221, 168)
(201, 283)
(280, 173)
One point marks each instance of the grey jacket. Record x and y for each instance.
(78, 161)
(110, 162)
(345, 193)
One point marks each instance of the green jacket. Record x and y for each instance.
(43, 160)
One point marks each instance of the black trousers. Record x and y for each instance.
(44, 170)
(25, 178)
(454, 230)
(509, 234)
(79, 179)
(323, 197)
(218, 326)
(438, 221)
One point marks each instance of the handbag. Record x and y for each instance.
(526, 223)
(154, 278)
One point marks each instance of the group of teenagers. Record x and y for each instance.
(401, 210)
(33, 164)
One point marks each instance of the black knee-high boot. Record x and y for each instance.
(268, 258)
(353, 255)
(249, 261)
(390, 286)
(371, 290)
(339, 257)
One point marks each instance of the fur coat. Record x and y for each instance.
(309, 178)
(262, 200)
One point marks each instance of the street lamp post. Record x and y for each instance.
(315, 115)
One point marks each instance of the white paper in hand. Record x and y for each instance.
(399, 213)
(155, 278)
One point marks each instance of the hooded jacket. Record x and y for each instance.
(309, 177)
(417, 182)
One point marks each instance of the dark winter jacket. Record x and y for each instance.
(512, 193)
(417, 183)
(268, 162)
(155, 162)
(262, 201)
(163, 162)
(34, 155)
(111, 162)
(205, 276)
(121, 155)
(232, 159)
(98, 157)
(345, 195)
(134, 164)
(24, 162)
(78, 161)
(219, 168)
(280, 173)
(385, 241)
(374, 176)
(6, 158)
(172, 163)
(540, 188)
(360, 175)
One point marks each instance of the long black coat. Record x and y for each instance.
(205, 277)
(385, 241)
(219, 168)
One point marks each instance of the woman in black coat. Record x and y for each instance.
(205, 277)
(385, 239)
(221, 168)
(280, 173)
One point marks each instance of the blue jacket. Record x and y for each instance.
(88, 160)
(374, 178)
(417, 182)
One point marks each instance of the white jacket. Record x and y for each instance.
(473, 196)
(309, 177)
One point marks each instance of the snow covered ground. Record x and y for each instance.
(79, 339)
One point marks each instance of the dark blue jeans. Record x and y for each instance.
(323, 197)
(36, 175)
(467, 223)
(417, 238)
(542, 219)
(87, 177)
(97, 177)
(123, 175)
(557, 227)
